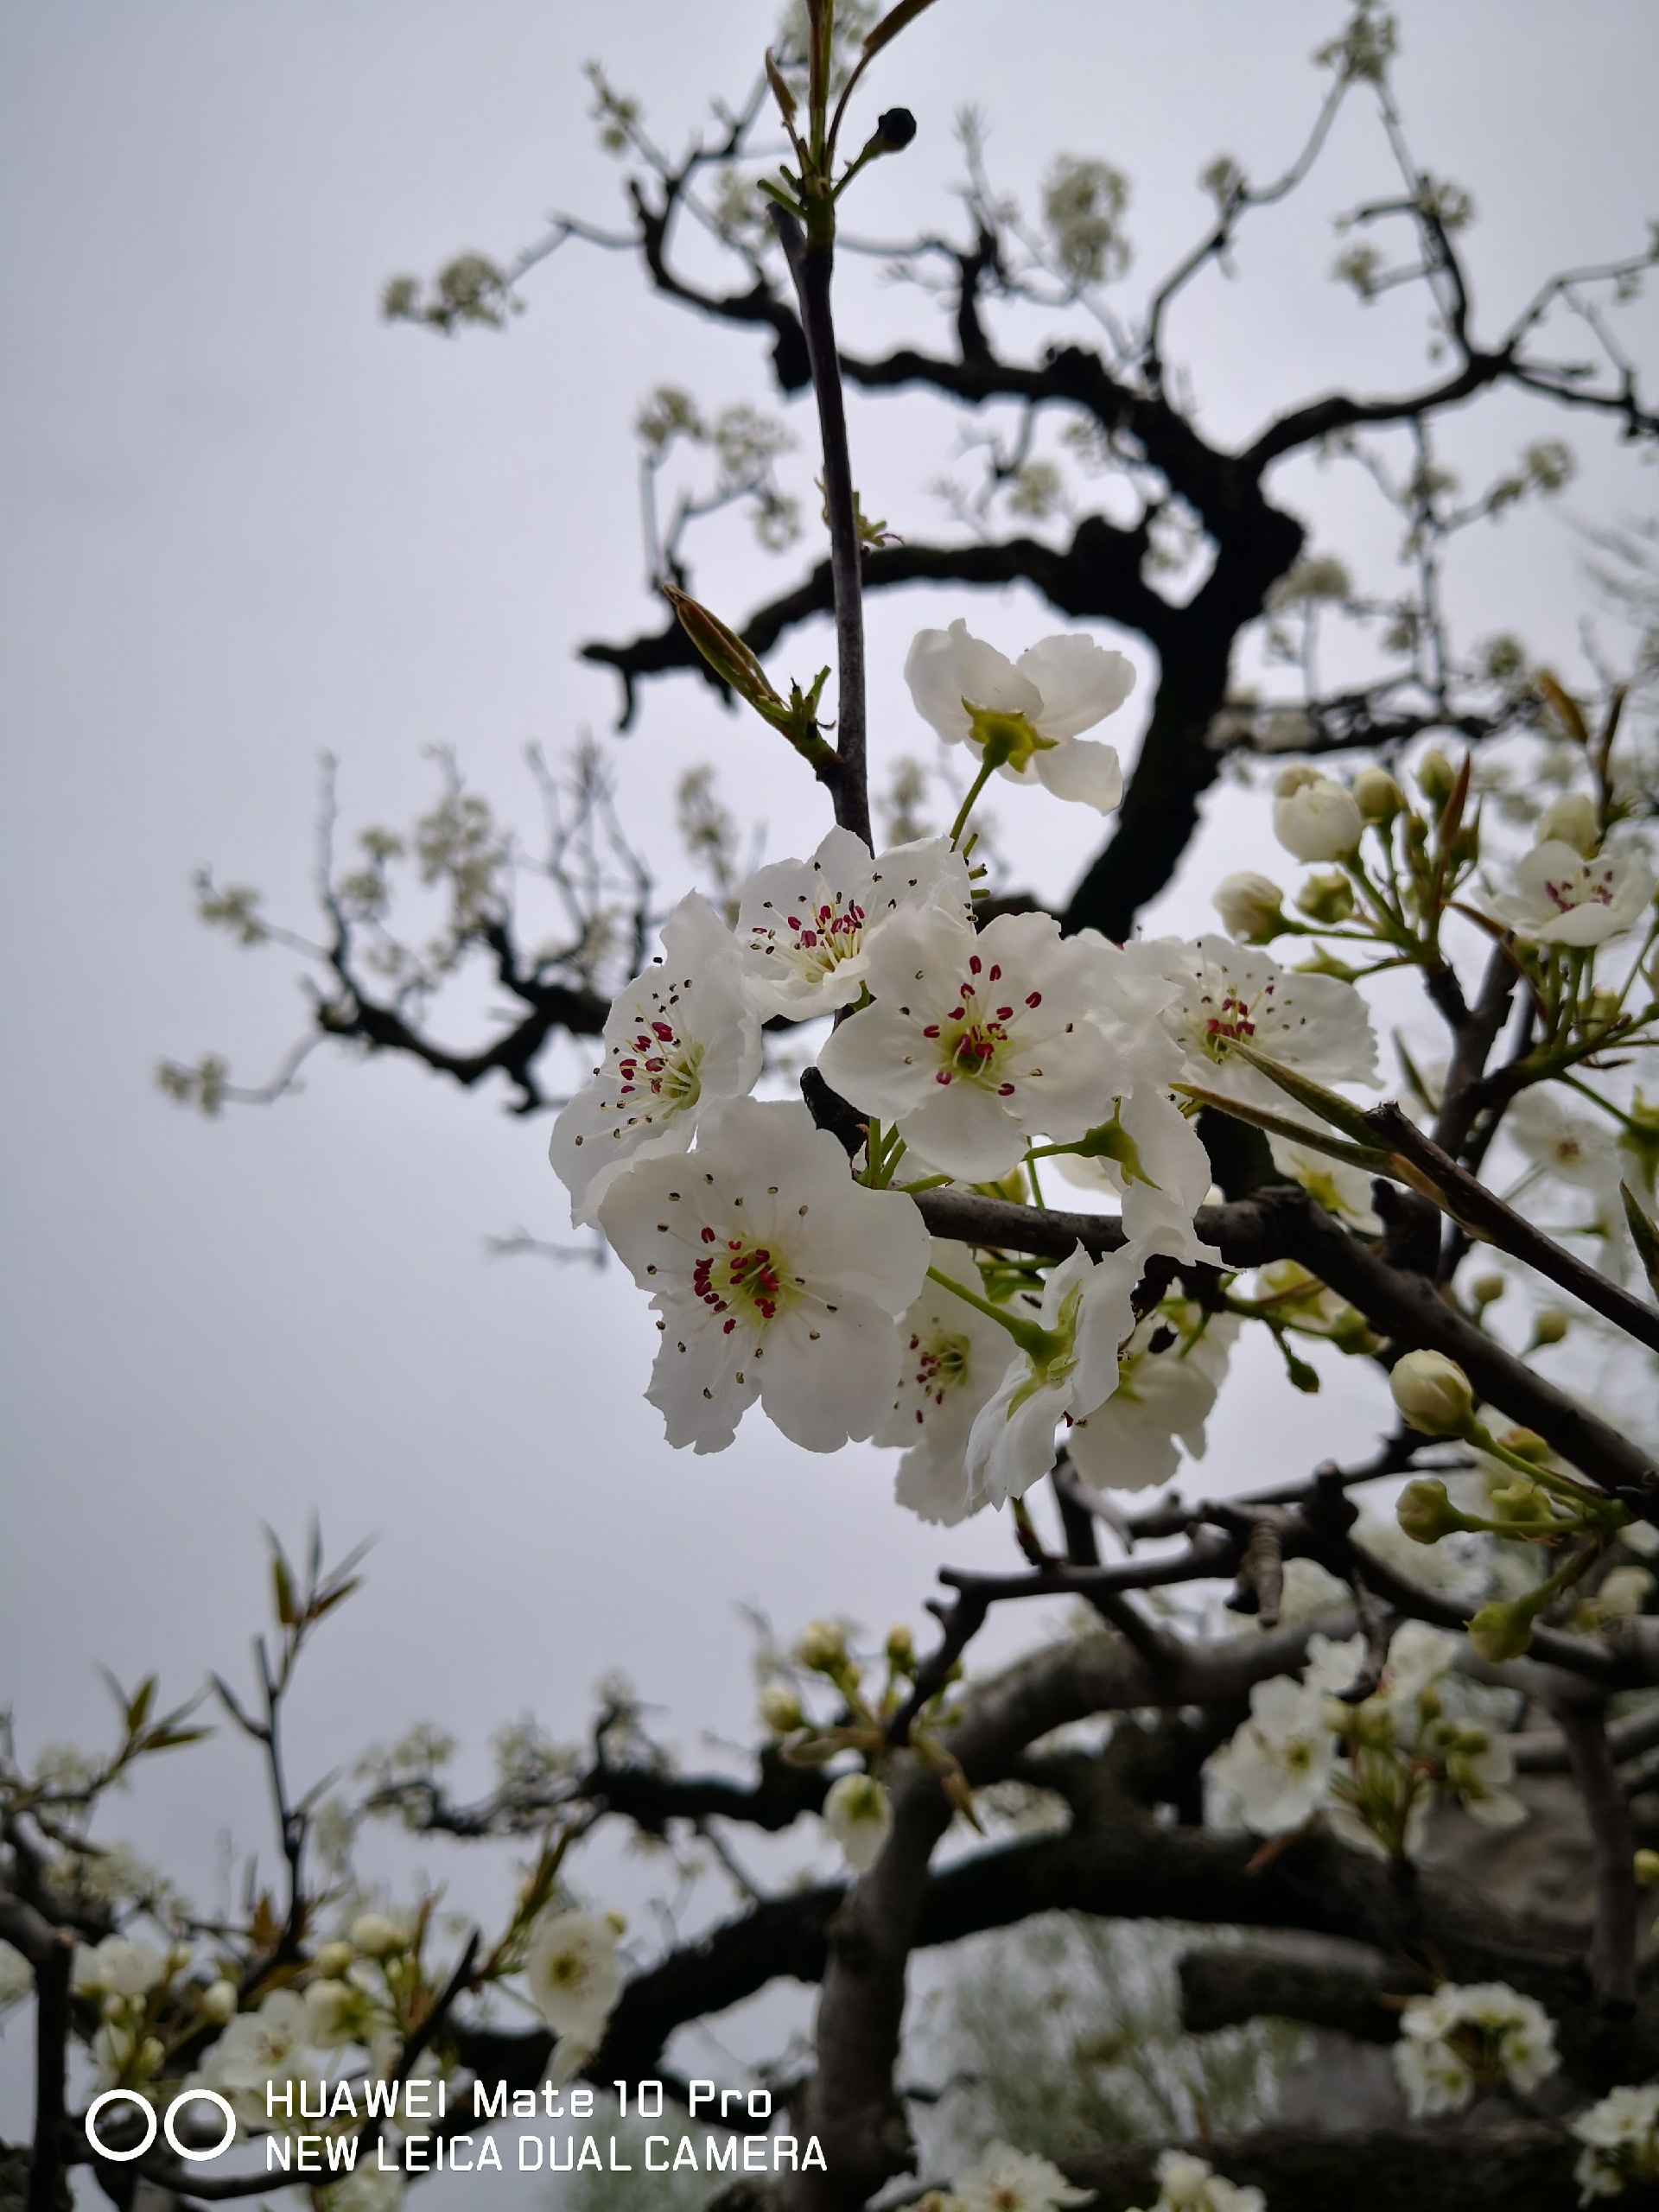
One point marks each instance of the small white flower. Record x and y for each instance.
(980, 1041)
(1561, 898)
(1343, 1191)
(1417, 1654)
(804, 927)
(680, 1036)
(1161, 1172)
(121, 1966)
(858, 1812)
(1007, 2180)
(1482, 2030)
(1087, 1313)
(1575, 1148)
(1167, 1385)
(266, 2049)
(966, 691)
(1621, 2138)
(1251, 906)
(1226, 994)
(1314, 816)
(574, 1973)
(1433, 2078)
(776, 1275)
(1187, 2184)
(1278, 1765)
(16, 1977)
(951, 1358)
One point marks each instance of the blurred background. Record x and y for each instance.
(246, 524)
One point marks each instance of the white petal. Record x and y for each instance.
(1079, 768)
(1080, 682)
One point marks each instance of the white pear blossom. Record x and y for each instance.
(1343, 1191)
(1575, 1148)
(775, 1275)
(858, 1812)
(1251, 906)
(1168, 1379)
(574, 1973)
(1466, 2034)
(1560, 897)
(804, 927)
(1189, 2184)
(16, 1977)
(1278, 1766)
(1229, 994)
(1007, 2180)
(1157, 1166)
(981, 1041)
(1620, 2136)
(270, 2048)
(1069, 1369)
(1036, 706)
(680, 1036)
(1314, 816)
(121, 1966)
(951, 1358)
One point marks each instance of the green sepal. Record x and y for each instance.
(1330, 1106)
(1645, 1236)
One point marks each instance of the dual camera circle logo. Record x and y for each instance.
(185, 2097)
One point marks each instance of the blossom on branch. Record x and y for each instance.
(1025, 714)
(1227, 993)
(775, 1275)
(1278, 1767)
(1621, 2142)
(1069, 1368)
(979, 1042)
(1188, 2183)
(680, 1036)
(804, 927)
(1475, 2035)
(1007, 2180)
(1314, 816)
(575, 1979)
(1153, 1161)
(951, 1358)
(1168, 1377)
(1563, 898)
(858, 1812)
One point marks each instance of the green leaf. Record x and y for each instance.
(1645, 1236)
(1368, 1157)
(1341, 1113)
(282, 1584)
(896, 20)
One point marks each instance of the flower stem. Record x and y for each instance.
(967, 806)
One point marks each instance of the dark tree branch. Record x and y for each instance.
(1611, 1958)
(52, 2023)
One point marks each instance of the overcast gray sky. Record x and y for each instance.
(244, 522)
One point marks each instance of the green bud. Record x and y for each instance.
(1436, 777)
(780, 1710)
(1550, 1325)
(1327, 897)
(1500, 1631)
(1426, 1512)
(1379, 797)
(901, 1649)
(823, 1648)
(1526, 1444)
(1487, 1289)
(1647, 1869)
(1521, 1501)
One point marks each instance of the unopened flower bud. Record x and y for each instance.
(1550, 1325)
(151, 2052)
(218, 2001)
(1426, 1512)
(1487, 1289)
(1526, 1444)
(1647, 1869)
(374, 1935)
(1251, 906)
(1378, 798)
(1500, 1631)
(1520, 1501)
(1436, 777)
(333, 1958)
(823, 1647)
(1327, 897)
(1572, 821)
(1314, 816)
(780, 1709)
(1432, 1394)
(901, 1649)
(895, 127)
(114, 2006)
(1353, 1335)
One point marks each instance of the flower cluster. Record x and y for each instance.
(1620, 2137)
(1480, 2034)
(1373, 1767)
(1189, 2184)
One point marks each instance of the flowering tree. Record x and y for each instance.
(872, 1254)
